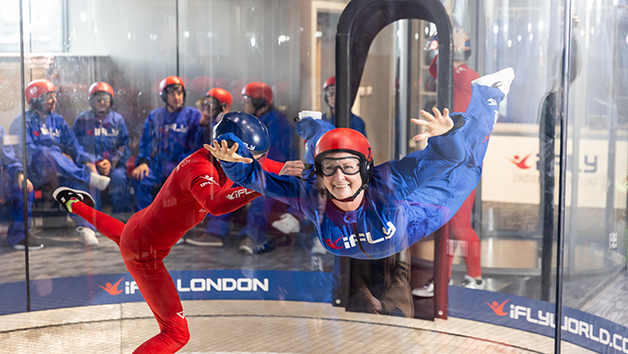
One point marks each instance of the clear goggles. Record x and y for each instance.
(348, 166)
(260, 157)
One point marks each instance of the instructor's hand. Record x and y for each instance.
(222, 152)
(293, 168)
(436, 124)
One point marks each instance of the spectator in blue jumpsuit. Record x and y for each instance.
(53, 155)
(103, 133)
(216, 103)
(368, 212)
(12, 189)
(329, 94)
(169, 136)
(258, 101)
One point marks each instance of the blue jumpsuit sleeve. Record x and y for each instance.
(147, 143)
(357, 123)
(311, 130)
(201, 137)
(71, 144)
(80, 132)
(193, 119)
(281, 138)
(299, 194)
(11, 165)
(442, 154)
(123, 143)
(15, 130)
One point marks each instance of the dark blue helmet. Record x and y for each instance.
(247, 127)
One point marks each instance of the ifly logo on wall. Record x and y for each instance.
(191, 285)
(196, 285)
(537, 316)
(232, 285)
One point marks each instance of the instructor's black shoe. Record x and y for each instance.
(63, 194)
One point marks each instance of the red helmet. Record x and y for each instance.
(223, 96)
(99, 87)
(169, 81)
(329, 82)
(346, 140)
(257, 90)
(38, 88)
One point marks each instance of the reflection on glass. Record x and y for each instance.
(118, 94)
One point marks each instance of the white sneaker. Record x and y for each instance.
(87, 236)
(99, 182)
(287, 224)
(471, 283)
(428, 289)
(501, 80)
(317, 247)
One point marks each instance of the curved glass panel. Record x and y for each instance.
(129, 93)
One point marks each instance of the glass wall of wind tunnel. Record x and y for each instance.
(132, 47)
(595, 242)
(514, 249)
(74, 44)
(12, 274)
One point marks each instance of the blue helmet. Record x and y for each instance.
(247, 127)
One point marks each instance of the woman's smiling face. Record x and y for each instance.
(341, 174)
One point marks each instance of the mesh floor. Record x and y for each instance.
(260, 327)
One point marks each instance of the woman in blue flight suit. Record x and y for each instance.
(103, 133)
(367, 212)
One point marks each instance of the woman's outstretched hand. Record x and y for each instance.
(436, 124)
(222, 152)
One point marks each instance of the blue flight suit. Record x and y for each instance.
(356, 123)
(406, 199)
(107, 138)
(167, 139)
(47, 139)
(282, 149)
(12, 192)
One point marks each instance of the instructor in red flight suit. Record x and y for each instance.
(197, 186)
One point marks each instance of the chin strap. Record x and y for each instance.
(174, 109)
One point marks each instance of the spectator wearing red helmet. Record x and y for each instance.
(169, 136)
(258, 101)
(329, 95)
(104, 135)
(213, 106)
(54, 157)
